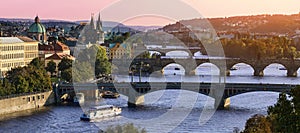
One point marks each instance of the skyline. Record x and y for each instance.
(78, 10)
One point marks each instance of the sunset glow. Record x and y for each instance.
(81, 10)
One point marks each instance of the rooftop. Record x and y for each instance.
(10, 40)
(59, 56)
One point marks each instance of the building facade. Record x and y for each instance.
(118, 51)
(16, 52)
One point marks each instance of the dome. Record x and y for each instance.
(37, 27)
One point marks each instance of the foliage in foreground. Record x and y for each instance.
(128, 128)
(31, 78)
(283, 117)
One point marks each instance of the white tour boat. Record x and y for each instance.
(101, 112)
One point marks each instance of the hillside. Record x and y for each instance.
(257, 24)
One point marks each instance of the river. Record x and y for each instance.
(66, 118)
(153, 116)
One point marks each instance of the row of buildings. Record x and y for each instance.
(21, 50)
(18, 51)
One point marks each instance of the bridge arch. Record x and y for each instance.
(173, 69)
(241, 69)
(153, 96)
(231, 93)
(207, 68)
(262, 98)
(175, 53)
(275, 69)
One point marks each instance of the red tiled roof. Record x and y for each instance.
(58, 46)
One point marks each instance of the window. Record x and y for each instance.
(38, 97)
(28, 99)
(43, 97)
(33, 98)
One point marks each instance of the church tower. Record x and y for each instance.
(99, 29)
(92, 25)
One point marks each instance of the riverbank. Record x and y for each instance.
(26, 102)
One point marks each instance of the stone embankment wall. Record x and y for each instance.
(31, 101)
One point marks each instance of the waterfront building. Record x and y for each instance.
(16, 52)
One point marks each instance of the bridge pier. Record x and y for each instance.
(189, 72)
(258, 72)
(224, 104)
(227, 72)
(135, 101)
(291, 73)
(221, 100)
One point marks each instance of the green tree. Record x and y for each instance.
(102, 65)
(32, 78)
(51, 67)
(36, 62)
(127, 128)
(67, 74)
(284, 116)
(281, 114)
(64, 64)
(257, 124)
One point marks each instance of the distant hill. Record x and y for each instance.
(257, 23)
(111, 24)
(107, 25)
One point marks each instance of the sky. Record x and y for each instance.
(152, 12)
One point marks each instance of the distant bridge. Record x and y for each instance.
(224, 64)
(136, 91)
(189, 50)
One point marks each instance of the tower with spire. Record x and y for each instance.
(99, 30)
(95, 34)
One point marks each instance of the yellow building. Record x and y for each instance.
(118, 51)
(16, 52)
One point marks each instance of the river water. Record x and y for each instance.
(163, 111)
(66, 118)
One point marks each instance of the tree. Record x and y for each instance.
(283, 117)
(51, 67)
(32, 78)
(102, 65)
(257, 124)
(67, 74)
(36, 62)
(64, 64)
(281, 114)
(127, 128)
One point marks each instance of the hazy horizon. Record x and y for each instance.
(77, 10)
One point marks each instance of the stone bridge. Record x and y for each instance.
(190, 50)
(136, 91)
(224, 64)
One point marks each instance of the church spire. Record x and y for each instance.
(92, 22)
(99, 24)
